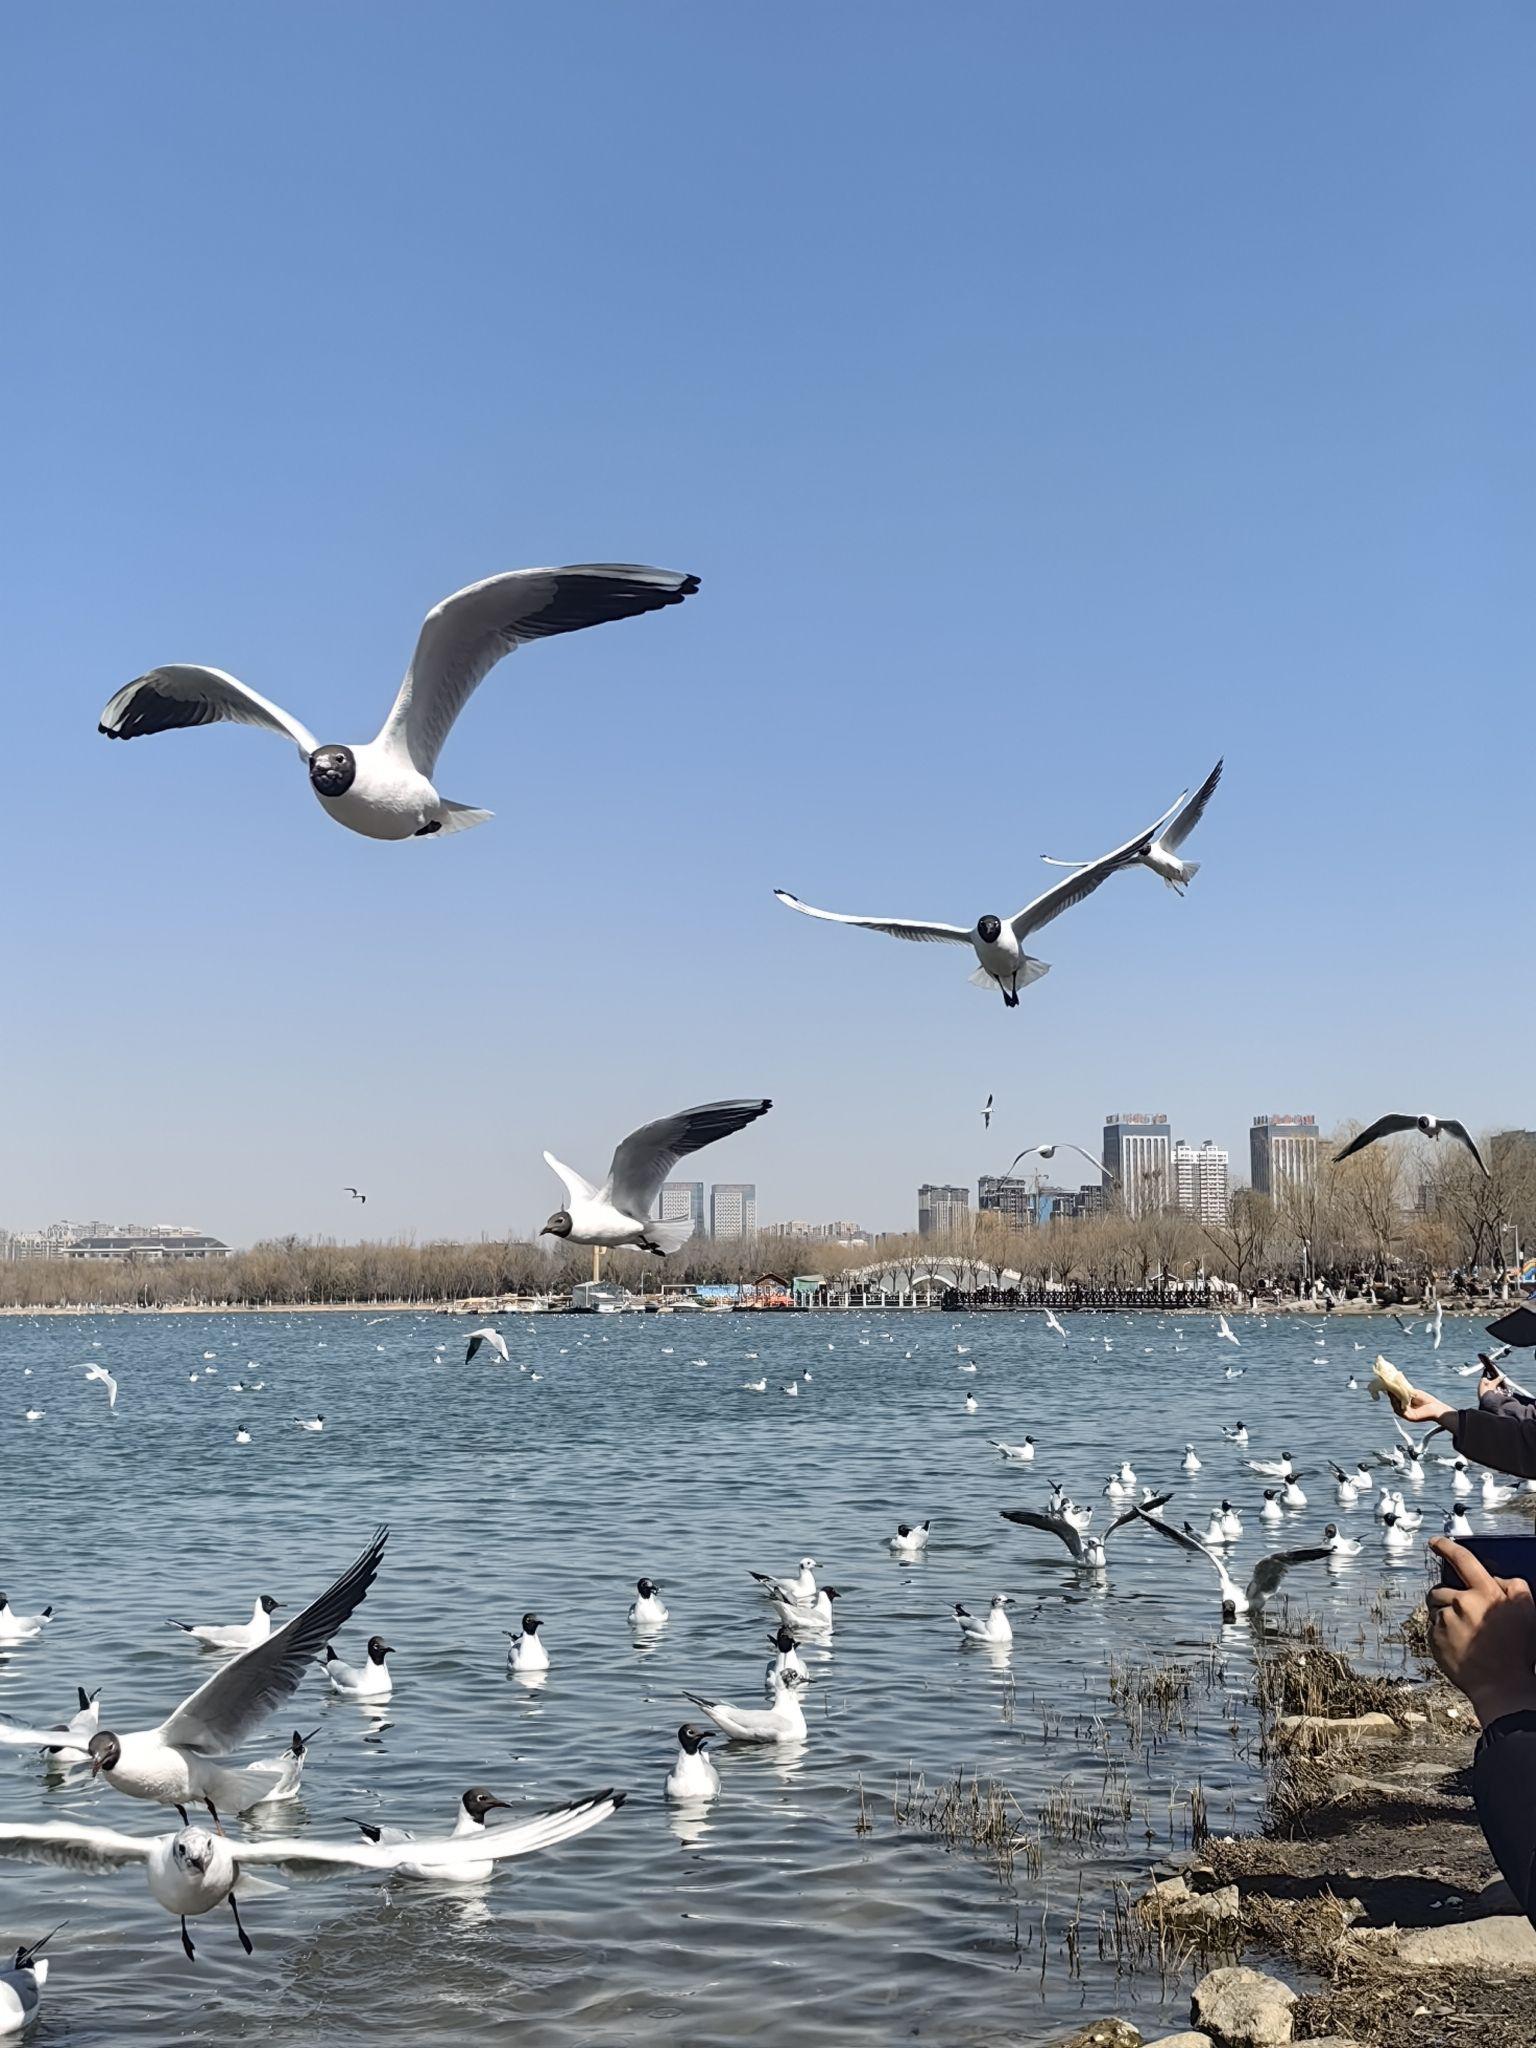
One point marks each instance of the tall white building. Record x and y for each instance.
(682, 1201)
(1137, 1156)
(1282, 1148)
(732, 1210)
(1201, 1181)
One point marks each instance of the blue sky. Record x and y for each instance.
(1051, 399)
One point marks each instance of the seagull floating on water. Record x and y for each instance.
(910, 1542)
(993, 1628)
(619, 1212)
(526, 1651)
(244, 1635)
(692, 1777)
(647, 1610)
(370, 1680)
(21, 1986)
(383, 788)
(783, 1721)
(1016, 1454)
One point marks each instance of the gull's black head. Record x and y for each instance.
(1330, 1532)
(268, 1604)
(378, 1649)
(1269, 1493)
(692, 1739)
(332, 770)
(784, 1642)
(832, 1593)
(478, 1802)
(559, 1225)
(645, 1588)
(531, 1624)
(104, 1751)
(989, 929)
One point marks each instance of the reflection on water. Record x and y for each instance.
(794, 1907)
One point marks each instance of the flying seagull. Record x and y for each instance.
(99, 1372)
(1049, 1152)
(194, 1871)
(997, 943)
(1158, 846)
(619, 1212)
(486, 1340)
(986, 1114)
(1427, 1126)
(383, 788)
(1267, 1573)
(355, 1195)
(1086, 1550)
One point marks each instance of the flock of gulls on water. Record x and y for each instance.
(185, 1762)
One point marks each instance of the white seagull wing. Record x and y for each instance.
(1384, 1127)
(1081, 882)
(182, 693)
(236, 1700)
(1174, 835)
(646, 1157)
(463, 638)
(1269, 1571)
(912, 928)
(71, 1846)
(576, 1189)
(540, 1830)
(1455, 1129)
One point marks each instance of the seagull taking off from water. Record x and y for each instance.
(383, 788)
(1427, 1126)
(998, 943)
(619, 1212)
(1264, 1582)
(1157, 847)
(1087, 1551)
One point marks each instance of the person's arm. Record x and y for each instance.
(1483, 1636)
(1505, 1443)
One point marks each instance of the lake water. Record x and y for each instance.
(774, 1918)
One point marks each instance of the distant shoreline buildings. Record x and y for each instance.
(99, 1240)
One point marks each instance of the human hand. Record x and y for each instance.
(1490, 1383)
(1482, 1634)
(1425, 1408)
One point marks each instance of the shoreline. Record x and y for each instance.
(472, 1305)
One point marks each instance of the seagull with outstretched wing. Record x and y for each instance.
(1087, 1551)
(1158, 847)
(1263, 1582)
(619, 1212)
(1432, 1127)
(383, 788)
(998, 943)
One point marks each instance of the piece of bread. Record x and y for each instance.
(1386, 1379)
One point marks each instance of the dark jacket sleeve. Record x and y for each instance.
(1504, 1786)
(1501, 1442)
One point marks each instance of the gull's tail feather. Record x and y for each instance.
(1030, 971)
(1191, 869)
(670, 1236)
(460, 817)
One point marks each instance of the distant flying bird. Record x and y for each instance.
(354, 1194)
(619, 1212)
(486, 1340)
(1428, 1126)
(1157, 847)
(383, 788)
(1224, 1329)
(997, 943)
(1052, 1324)
(99, 1372)
(986, 1114)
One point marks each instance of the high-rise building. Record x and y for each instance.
(1137, 1150)
(682, 1201)
(1201, 1181)
(732, 1211)
(998, 1195)
(1282, 1148)
(942, 1211)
